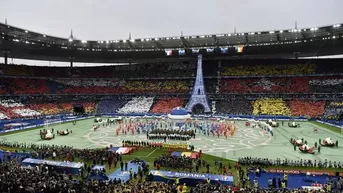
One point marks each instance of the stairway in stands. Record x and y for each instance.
(217, 87)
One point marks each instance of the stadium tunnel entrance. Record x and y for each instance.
(198, 109)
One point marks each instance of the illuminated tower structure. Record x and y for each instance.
(198, 96)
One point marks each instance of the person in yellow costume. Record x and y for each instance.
(184, 188)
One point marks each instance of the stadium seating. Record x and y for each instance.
(234, 106)
(333, 110)
(13, 109)
(28, 86)
(45, 109)
(270, 106)
(110, 106)
(158, 70)
(90, 107)
(137, 105)
(265, 85)
(3, 116)
(253, 70)
(327, 84)
(307, 108)
(166, 105)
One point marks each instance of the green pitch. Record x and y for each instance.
(246, 141)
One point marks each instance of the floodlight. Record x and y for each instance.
(83, 41)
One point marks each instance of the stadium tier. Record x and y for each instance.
(135, 86)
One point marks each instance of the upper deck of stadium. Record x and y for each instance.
(21, 43)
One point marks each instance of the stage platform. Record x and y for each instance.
(191, 179)
(124, 176)
(61, 167)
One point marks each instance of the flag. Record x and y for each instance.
(239, 49)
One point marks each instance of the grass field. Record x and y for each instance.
(246, 141)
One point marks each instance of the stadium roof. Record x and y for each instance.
(258, 38)
(306, 42)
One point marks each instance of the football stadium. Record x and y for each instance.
(258, 111)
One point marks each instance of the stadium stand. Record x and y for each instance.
(333, 110)
(270, 106)
(265, 85)
(327, 84)
(137, 105)
(154, 70)
(111, 106)
(254, 70)
(166, 105)
(14, 109)
(28, 86)
(307, 108)
(45, 109)
(234, 106)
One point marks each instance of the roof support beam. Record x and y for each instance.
(185, 44)
(216, 42)
(131, 46)
(158, 45)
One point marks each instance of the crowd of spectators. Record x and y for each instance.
(111, 105)
(14, 109)
(275, 69)
(170, 161)
(211, 188)
(253, 161)
(14, 178)
(166, 105)
(265, 85)
(137, 105)
(99, 86)
(270, 106)
(307, 108)
(334, 110)
(158, 70)
(327, 84)
(27, 86)
(234, 106)
(238, 106)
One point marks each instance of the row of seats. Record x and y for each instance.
(93, 86)
(173, 69)
(240, 85)
(137, 105)
(271, 106)
(166, 105)
(275, 69)
(262, 106)
(283, 85)
(334, 110)
(13, 109)
(166, 69)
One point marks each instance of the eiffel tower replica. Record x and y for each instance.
(198, 93)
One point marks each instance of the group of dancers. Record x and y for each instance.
(164, 129)
(171, 134)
